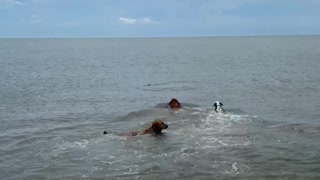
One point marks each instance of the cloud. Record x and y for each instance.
(43, 1)
(15, 2)
(10, 2)
(128, 20)
(124, 20)
(147, 20)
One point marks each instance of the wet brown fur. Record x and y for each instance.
(155, 129)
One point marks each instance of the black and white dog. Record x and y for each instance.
(218, 107)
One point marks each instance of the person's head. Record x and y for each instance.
(174, 104)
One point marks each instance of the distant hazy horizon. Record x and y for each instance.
(124, 37)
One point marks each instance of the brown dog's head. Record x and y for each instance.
(174, 104)
(158, 125)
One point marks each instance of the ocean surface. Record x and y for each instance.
(57, 96)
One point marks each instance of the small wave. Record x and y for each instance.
(82, 144)
(73, 144)
(237, 168)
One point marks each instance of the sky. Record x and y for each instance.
(157, 18)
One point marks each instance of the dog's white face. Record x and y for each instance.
(218, 106)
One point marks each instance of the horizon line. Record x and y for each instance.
(129, 37)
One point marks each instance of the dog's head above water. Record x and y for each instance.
(157, 126)
(155, 129)
(218, 106)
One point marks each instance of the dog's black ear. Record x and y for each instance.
(221, 104)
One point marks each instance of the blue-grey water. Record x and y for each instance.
(57, 96)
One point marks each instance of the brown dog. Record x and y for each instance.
(155, 129)
(174, 104)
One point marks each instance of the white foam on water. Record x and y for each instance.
(194, 136)
(237, 168)
(82, 143)
(234, 167)
(216, 130)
